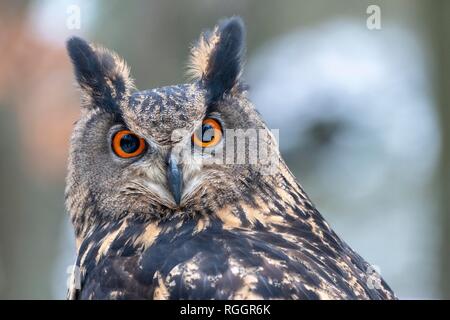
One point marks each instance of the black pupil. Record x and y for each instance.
(129, 143)
(207, 133)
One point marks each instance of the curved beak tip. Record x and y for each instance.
(175, 179)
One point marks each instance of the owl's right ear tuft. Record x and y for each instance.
(217, 58)
(102, 75)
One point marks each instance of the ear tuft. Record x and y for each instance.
(217, 58)
(103, 76)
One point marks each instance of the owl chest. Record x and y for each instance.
(211, 264)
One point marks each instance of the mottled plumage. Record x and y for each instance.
(237, 231)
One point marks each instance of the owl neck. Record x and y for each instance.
(275, 199)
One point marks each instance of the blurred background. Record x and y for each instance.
(359, 90)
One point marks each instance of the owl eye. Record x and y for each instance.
(209, 135)
(126, 144)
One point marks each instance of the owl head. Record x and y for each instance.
(178, 151)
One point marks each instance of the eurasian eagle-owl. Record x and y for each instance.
(162, 211)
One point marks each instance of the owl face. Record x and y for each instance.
(162, 152)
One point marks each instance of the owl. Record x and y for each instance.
(180, 192)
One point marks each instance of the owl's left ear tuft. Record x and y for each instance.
(217, 58)
(102, 75)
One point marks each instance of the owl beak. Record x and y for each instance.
(175, 178)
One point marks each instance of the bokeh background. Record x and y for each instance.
(363, 116)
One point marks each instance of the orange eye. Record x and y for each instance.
(126, 144)
(210, 134)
